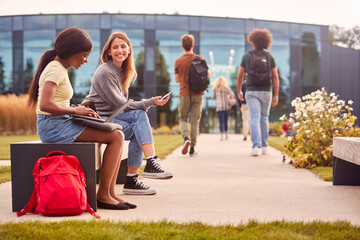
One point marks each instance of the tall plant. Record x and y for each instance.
(318, 118)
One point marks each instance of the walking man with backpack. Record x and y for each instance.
(192, 73)
(262, 79)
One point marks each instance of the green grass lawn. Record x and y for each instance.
(6, 140)
(325, 173)
(105, 229)
(278, 142)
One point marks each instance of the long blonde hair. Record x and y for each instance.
(128, 72)
(221, 83)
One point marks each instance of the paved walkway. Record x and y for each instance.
(224, 185)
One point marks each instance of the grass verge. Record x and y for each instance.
(6, 140)
(278, 142)
(5, 174)
(105, 229)
(325, 173)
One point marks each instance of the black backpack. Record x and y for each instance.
(198, 76)
(260, 68)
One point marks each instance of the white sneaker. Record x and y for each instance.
(254, 152)
(265, 150)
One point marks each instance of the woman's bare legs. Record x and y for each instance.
(113, 182)
(111, 159)
(149, 150)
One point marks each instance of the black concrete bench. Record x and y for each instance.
(346, 161)
(25, 154)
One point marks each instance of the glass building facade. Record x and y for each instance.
(297, 49)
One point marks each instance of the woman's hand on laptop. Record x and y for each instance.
(81, 110)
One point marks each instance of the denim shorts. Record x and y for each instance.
(58, 128)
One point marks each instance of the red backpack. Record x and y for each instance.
(59, 187)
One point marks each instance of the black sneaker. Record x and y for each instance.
(135, 187)
(192, 152)
(154, 170)
(186, 145)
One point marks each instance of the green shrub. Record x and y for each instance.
(318, 118)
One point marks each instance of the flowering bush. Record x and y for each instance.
(318, 118)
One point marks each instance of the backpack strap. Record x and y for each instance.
(56, 152)
(29, 206)
(91, 211)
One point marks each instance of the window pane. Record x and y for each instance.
(194, 23)
(61, 21)
(276, 28)
(169, 38)
(172, 22)
(5, 40)
(95, 36)
(5, 24)
(249, 25)
(17, 23)
(223, 39)
(39, 22)
(105, 21)
(310, 53)
(281, 53)
(39, 39)
(5, 62)
(89, 21)
(222, 25)
(81, 78)
(127, 21)
(149, 22)
(295, 30)
(35, 44)
(311, 31)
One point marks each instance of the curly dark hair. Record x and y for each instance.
(260, 38)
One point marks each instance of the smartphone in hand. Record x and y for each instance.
(165, 96)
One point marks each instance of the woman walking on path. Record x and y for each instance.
(51, 92)
(221, 93)
(109, 91)
(262, 77)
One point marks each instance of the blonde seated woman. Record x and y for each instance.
(221, 93)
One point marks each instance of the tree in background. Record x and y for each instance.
(162, 80)
(28, 73)
(310, 70)
(343, 37)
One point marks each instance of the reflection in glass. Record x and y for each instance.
(5, 62)
(281, 53)
(81, 78)
(35, 44)
(5, 24)
(172, 22)
(276, 28)
(127, 21)
(213, 24)
(89, 21)
(310, 71)
(39, 22)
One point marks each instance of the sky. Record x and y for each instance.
(345, 13)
